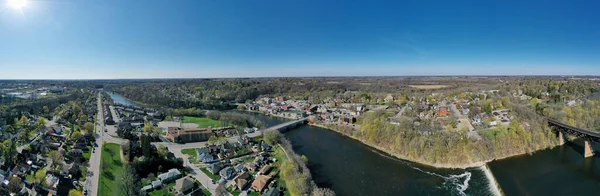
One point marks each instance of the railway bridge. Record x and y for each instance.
(587, 135)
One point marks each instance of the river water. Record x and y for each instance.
(117, 98)
(352, 168)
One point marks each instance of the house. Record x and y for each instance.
(272, 192)
(260, 160)
(75, 153)
(251, 166)
(442, 112)
(389, 98)
(184, 184)
(170, 175)
(81, 144)
(227, 173)
(239, 168)
(147, 188)
(241, 180)
(348, 119)
(260, 182)
(214, 168)
(156, 184)
(51, 180)
(265, 170)
(204, 155)
(56, 129)
(265, 146)
(21, 169)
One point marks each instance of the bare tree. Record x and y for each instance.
(128, 182)
(220, 190)
(322, 192)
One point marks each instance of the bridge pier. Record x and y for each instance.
(561, 138)
(587, 152)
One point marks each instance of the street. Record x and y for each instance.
(92, 181)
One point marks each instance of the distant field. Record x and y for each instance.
(201, 122)
(433, 86)
(110, 153)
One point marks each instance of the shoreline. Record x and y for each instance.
(425, 163)
(435, 165)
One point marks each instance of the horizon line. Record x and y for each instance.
(332, 76)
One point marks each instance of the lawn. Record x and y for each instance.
(201, 122)
(210, 175)
(233, 192)
(30, 178)
(87, 154)
(206, 192)
(110, 167)
(164, 191)
(83, 171)
(193, 155)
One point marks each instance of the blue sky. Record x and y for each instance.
(88, 39)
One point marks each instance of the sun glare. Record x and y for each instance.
(17, 4)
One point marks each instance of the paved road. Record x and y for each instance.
(95, 158)
(463, 119)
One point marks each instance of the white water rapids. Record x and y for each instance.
(459, 182)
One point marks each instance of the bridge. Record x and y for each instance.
(589, 136)
(283, 127)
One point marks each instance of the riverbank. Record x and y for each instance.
(435, 165)
(422, 162)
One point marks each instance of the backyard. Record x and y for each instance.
(201, 122)
(110, 167)
(164, 191)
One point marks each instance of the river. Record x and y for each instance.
(352, 168)
(117, 98)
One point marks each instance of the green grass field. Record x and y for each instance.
(210, 175)
(193, 155)
(109, 172)
(233, 192)
(201, 122)
(87, 155)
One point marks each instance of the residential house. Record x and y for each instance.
(147, 188)
(241, 180)
(442, 112)
(214, 168)
(170, 175)
(81, 144)
(251, 166)
(265, 146)
(204, 155)
(260, 182)
(184, 184)
(156, 184)
(272, 192)
(265, 170)
(51, 180)
(75, 153)
(56, 129)
(389, 98)
(240, 168)
(227, 173)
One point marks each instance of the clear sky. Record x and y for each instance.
(88, 39)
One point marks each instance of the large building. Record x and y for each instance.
(179, 135)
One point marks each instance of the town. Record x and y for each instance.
(92, 141)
